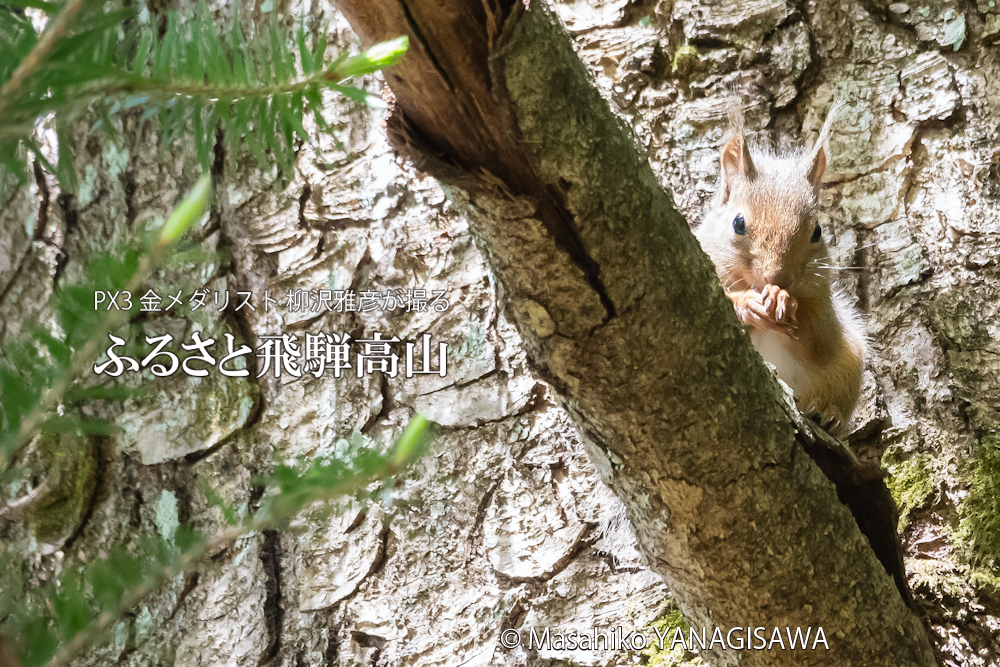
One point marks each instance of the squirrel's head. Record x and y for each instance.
(763, 223)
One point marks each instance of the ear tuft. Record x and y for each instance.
(735, 157)
(816, 164)
(736, 161)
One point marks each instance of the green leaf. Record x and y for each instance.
(142, 53)
(66, 171)
(381, 55)
(188, 212)
(412, 442)
(305, 55)
(319, 52)
(358, 95)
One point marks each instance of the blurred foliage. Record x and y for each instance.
(252, 83)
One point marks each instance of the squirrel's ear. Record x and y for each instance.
(736, 161)
(817, 167)
(817, 157)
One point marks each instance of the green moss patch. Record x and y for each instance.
(939, 578)
(70, 461)
(684, 52)
(910, 482)
(979, 524)
(669, 620)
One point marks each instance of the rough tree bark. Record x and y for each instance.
(620, 314)
(498, 526)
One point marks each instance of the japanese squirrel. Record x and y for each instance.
(762, 234)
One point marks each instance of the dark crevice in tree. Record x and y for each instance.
(609, 559)
(384, 409)
(365, 640)
(190, 583)
(359, 520)
(256, 410)
(43, 203)
(237, 318)
(68, 205)
(129, 187)
(634, 11)
(217, 170)
(861, 487)
(709, 43)
(242, 325)
(794, 16)
(320, 246)
(538, 398)
(135, 505)
(40, 225)
(425, 43)
(270, 555)
(256, 493)
(330, 652)
(568, 238)
(303, 200)
(869, 443)
(382, 555)
(586, 540)
(340, 224)
(252, 419)
(467, 383)
(514, 617)
(474, 538)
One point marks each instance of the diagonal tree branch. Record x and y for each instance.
(621, 312)
(56, 29)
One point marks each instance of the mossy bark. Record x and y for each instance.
(621, 313)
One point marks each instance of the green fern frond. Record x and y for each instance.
(39, 368)
(257, 85)
(58, 622)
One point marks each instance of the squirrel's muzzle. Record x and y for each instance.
(779, 277)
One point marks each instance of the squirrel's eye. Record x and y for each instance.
(817, 234)
(739, 225)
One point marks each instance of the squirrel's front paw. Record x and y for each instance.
(749, 307)
(771, 308)
(786, 309)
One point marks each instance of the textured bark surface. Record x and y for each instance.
(720, 504)
(910, 202)
(498, 526)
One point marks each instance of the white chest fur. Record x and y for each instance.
(775, 348)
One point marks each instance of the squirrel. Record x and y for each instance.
(762, 235)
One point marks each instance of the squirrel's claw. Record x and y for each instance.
(787, 306)
(774, 306)
(828, 419)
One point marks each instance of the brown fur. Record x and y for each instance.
(778, 279)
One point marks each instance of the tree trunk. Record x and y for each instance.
(621, 315)
(622, 321)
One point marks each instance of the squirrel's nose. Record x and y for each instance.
(777, 277)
